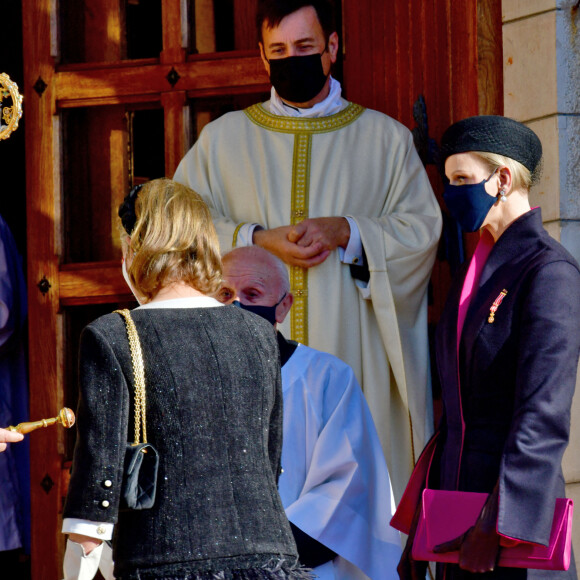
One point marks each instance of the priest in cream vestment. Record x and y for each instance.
(275, 165)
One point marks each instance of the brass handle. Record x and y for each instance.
(65, 417)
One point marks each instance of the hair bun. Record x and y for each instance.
(127, 210)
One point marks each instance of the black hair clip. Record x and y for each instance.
(127, 209)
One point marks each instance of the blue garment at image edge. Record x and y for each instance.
(14, 462)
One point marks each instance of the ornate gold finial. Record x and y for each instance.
(65, 417)
(9, 115)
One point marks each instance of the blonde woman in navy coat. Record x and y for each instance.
(507, 351)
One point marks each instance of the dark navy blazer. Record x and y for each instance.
(510, 418)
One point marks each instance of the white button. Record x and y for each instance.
(108, 483)
(101, 530)
(105, 503)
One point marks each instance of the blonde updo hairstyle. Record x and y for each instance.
(522, 178)
(173, 240)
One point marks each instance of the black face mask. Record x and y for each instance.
(266, 312)
(297, 79)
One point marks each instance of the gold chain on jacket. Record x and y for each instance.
(139, 376)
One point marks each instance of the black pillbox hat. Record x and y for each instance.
(493, 134)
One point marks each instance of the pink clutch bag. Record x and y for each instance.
(448, 514)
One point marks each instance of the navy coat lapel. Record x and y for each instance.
(503, 270)
(517, 242)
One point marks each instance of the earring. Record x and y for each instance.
(502, 195)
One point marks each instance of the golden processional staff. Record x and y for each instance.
(9, 113)
(65, 417)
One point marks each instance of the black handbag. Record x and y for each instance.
(141, 458)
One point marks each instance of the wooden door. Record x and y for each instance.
(115, 93)
(116, 90)
(427, 63)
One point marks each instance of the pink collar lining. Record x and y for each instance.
(482, 251)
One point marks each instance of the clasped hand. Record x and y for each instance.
(478, 549)
(306, 244)
(478, 552)
(479, 545)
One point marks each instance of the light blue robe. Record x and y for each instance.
(335, 485)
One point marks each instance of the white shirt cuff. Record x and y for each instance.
(98, 530)
(245, 234)
(353, 254)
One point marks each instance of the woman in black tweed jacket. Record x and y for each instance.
(214, 413)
